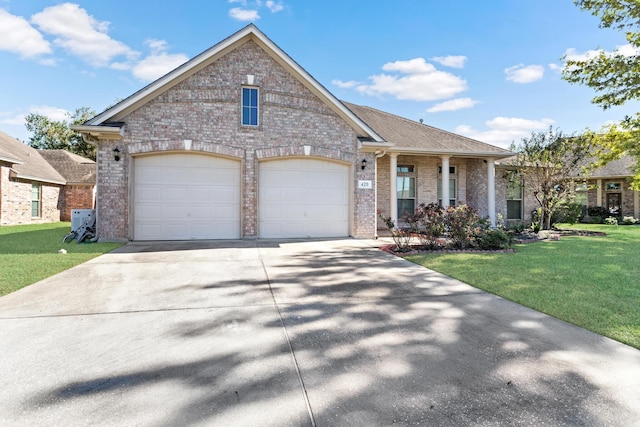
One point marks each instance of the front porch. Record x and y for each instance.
(424, 178)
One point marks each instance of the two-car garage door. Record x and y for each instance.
(196, 196)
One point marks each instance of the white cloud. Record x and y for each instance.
(17, 118)
(453, 105)
(422, 82)
(345, 85)
(524, 74)
(18, 36)
(505, 130)
(157, 63)
(240, 14)
(572, 54)
(453, 61)
(274, 6)
(81, 35)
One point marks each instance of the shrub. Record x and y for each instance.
(401, 238)
(611, 220)
(516, 227)
(570, 213)
(600, 211)
(494, 239)
(628, 220)
(463, 225)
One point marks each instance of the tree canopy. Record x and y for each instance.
(548, 162)
(47, 134)
(615, 76)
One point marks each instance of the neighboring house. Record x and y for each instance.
(33, 190)
(609, 186)
(242, 142)
(79, 174)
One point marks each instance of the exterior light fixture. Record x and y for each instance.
(116, 154)
(363, 164)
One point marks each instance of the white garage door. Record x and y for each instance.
(186, 196)
(303, 198)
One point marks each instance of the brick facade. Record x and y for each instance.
(205, 109)
(15, 201)
(75, 196)
(629, 199)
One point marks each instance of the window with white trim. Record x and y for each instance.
(36, 200)
(250, 107)
(452, 186)
(406, 189)
(515, 192)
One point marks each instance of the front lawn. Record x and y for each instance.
(29, 253)
(592, 282)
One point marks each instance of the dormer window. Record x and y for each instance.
(249, 106)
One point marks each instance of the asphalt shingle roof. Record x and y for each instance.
(411, 136)
(74, 168)
(32, 165)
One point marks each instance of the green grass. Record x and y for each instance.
(592, 282)
(29, 253)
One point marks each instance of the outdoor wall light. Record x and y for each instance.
(116, 154)
(363, 164)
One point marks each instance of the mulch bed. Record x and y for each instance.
(522, 238)
(419, 250)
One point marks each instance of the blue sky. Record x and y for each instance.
(489, 70)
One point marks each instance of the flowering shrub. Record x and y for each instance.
(629, 220)
(611, 220)
(458, 227)
(462, 222)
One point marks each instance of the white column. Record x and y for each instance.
(445, 181)
(599, 193)
(491, 191)
(393, 183)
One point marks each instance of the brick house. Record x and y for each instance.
(608, 186)
(79, 174)
(242, 142)
(33, 190)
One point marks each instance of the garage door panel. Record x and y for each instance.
(303, 198)
(186, 196)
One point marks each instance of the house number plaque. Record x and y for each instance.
(365, 184)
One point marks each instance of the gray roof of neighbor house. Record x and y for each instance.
(26, 162)
(412, 137)
(74, 168)
(622, 167)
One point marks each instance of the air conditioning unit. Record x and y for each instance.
(79, 216)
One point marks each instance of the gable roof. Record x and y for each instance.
(102, 125)
(73, 168)
(410, 137)
(26, 162)
(619, 168)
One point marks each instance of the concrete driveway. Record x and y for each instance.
(332, 333)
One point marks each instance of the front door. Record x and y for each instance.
(613, 203)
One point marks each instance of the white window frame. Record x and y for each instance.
(247, 109)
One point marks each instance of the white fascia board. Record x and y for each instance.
(105, 132)
(35, 178)
(466, 154)
(11, 160)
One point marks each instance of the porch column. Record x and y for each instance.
(393, 184)
(445, 181)
(491, 191)
(636, 204)
(599, 193)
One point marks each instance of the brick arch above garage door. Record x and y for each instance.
(186, 196)
(303, 197)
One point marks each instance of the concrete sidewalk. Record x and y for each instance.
(293, 334)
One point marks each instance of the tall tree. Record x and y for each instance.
(615, 76)
(547, 162)
(47, 134)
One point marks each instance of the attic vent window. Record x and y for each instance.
(249, 106)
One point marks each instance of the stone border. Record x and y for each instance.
(416, 251)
